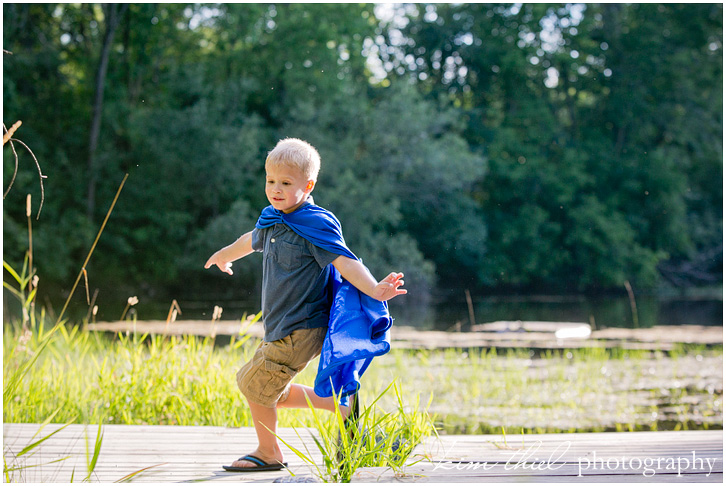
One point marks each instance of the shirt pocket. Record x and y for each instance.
(289, 255)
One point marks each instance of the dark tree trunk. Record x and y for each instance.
(113, 13)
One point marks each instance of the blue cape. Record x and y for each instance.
(359, 327)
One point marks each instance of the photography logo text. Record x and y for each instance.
(533, 460)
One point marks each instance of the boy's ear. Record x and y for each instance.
(310, 186)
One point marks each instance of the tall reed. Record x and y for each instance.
(93, 247)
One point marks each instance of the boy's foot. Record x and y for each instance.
(256, 461)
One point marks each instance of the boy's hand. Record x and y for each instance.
(389, 287)
(224, 257)
(357, 274)
(224, 266)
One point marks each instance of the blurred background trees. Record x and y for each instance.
(535, 147)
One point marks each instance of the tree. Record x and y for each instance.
(576, 107)
(112, 14)
(517, 147)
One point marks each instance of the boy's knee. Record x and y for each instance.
(267, 377)
(285, 394)
(264, 381)
(257, 388)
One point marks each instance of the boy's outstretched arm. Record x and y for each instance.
(358, 275)
(224, 257)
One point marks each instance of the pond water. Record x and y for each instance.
(599, 311)
(452, 312)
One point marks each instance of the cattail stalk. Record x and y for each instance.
(130, 302)
(93, 247)
(216, 315)
(30, 239)
(171, 317)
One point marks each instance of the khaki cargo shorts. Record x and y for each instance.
(266, 379)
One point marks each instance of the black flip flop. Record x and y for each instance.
(261, 465)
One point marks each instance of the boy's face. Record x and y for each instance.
(287, 187)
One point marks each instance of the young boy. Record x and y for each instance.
(295, 300)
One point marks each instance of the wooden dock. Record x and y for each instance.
(171, 454)
(501, 334)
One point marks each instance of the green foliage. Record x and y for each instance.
(533, 146)
(580, 111)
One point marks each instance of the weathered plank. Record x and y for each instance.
(525, 326)
(172, 453)
(182, 328)
(538, 335)
(187, 453)
(412, 475)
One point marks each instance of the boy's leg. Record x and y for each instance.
(265, 422)
(255, 376)
(296, 399)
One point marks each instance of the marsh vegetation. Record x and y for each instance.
(135, 379)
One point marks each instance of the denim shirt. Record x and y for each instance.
(295, 277)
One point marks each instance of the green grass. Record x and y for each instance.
(128, 380)
(375, 439)
(136, 379)
(96, 378)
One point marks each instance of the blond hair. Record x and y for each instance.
(293, 152)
